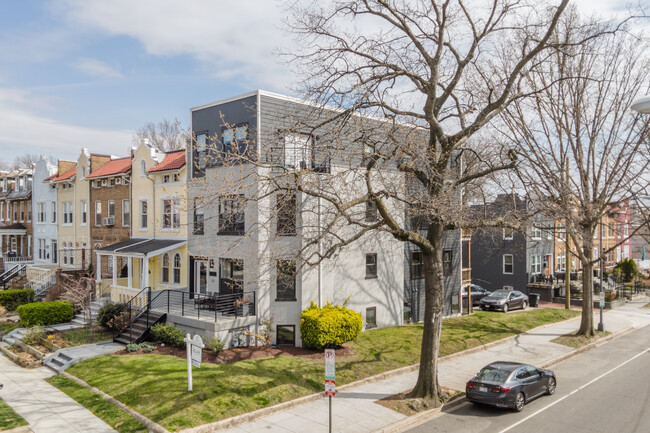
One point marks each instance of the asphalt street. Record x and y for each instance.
(606, 389)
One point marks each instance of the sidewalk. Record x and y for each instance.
(355, 410)
(45, 408)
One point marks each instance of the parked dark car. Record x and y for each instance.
(504, 300)
(509, 385)
(477, 293)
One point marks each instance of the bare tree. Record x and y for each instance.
(584, 151)
(446, 68)
(165, 135)
(78, 291)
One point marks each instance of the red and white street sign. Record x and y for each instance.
(330, 372)
(330, 387)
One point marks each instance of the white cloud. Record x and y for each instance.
(97, 68)
(22, 131)
(233, 38)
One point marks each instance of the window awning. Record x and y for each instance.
(141, 247)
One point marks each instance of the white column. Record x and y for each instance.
(145, 273)
(114, 258)
(130, 267)
(98, 267)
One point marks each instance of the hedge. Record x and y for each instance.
(329, 326)
(12, 299)
(45, 313)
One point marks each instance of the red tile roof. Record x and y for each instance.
(173, 161)
(111, 168)
(65, 176)
(51, 177)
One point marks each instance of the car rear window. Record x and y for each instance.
(489, 374)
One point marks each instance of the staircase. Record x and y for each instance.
(40, 280)
(7, 276)
(81, 319)
(136, 319)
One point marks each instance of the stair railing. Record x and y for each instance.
(125, 316)
(12, 273)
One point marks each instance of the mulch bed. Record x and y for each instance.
(240, 353)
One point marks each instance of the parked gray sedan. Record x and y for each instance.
(504, 300)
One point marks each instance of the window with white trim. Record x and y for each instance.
(126, 213)
(143, 214)
(536, 264)
(508, 265)
(536, 233)
(171, 213)
(98, 213)
(177, 269)
(40, 212)
(84, 212)
(165, 268)
(508, 234)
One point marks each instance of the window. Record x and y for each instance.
(626, 229)
(508, 234)
(165, 268)
(41, 249)
(561, 232)
(447, 262)
(126, 213)
(417, 267)
(198, 216)
(143, 214)
(67, 212)
(561, 262)
(111, 182)
(22, 211)
(84, 211)
(536, 233)
(176, 177)
(40, 212)
(371, 265)
(285, 335)
(111, 209)
(143, 168)
(55, 252)
(371, 211)
(286, 280)
(231, 215)
(53, 212)
(29, 212)
(83, 172)
(234, 140)
(177, 269)
(98, 213)
(171, 214)
(536, 264)
(15, 211)
(507, 264)
(286, 214)
(232, 276)
(371, 317)
(201, 151)
(165, 178)
(297, 151)
(2, 210)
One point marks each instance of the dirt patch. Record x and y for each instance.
(24, 357)
(411, 406)
(57, 340)
(241, 353)
(577, 341)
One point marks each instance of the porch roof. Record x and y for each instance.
(13, 229)
(142, 247)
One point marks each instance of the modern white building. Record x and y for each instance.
(44, 223)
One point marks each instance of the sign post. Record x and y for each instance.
(194, 352)
(330, 378)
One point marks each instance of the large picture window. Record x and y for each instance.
(231, 215)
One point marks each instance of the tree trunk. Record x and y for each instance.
(587, 321)
(427, 385)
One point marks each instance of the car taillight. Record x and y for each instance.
(469, 385)
(500, 389)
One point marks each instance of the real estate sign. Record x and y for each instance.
(194, 352)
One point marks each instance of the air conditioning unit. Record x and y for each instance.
(118, 181)
(108, 221)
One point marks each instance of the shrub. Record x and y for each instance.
(34, 335)
(329, 326)
(106, 313)
(214, 345)
(147, 347)
(168, 334)
(45, 313)
(12, 299)
(626, 270)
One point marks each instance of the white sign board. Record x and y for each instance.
(330, 372)
(194, 352)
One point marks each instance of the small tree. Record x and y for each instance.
(78, 291)
(626, 270)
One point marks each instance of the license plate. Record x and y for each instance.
(482, 389)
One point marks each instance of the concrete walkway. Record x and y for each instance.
(45, 408)
(355, 410)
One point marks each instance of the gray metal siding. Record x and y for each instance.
(488, 249)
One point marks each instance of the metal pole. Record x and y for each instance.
(330, 414)
(601, 327)
(567, 256)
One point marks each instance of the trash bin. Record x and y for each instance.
(534, 299)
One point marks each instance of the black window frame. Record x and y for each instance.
(286, 208)
(417, 269)
(368, 324)
(200, 155)
(198, 227)
(285, 282)
(226, 148)
(371, 269)
(230, 223)
(277, 335)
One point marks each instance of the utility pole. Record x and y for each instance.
(567, 255)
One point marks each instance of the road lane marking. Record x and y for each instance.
(575, 390)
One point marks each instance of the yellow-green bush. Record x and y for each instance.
(12, 299)
(329, 326)
(45, 313)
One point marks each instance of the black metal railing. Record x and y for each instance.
(125, 317)
(203, 305)
(6, 277)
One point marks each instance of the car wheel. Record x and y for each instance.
(550, 386)
(520, 401)
(524, 305)
(505, 308)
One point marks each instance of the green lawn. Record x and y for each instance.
(8, 418)
(111, 414)
(156, 385)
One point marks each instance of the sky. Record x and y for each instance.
(88, 73)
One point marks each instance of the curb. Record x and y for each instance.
(151, 426)
(422, 417)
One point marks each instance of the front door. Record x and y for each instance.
(200, 276)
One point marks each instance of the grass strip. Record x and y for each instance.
(577, 341)
(156, 385)
(108, 412)
(9, 419)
